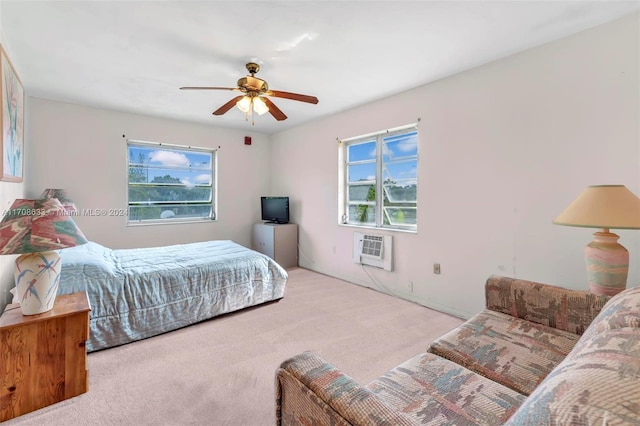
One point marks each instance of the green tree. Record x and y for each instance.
(166, 179)
(363, 209)
(139, 172)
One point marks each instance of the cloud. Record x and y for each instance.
(169, 158)
(290, 45)
(186, 182)
(407, 145)
(203, 178)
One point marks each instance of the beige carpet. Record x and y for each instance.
(221, 371)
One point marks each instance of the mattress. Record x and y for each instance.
(139, 293)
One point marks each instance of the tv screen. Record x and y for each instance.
(275, 209)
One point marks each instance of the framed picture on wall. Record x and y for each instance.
(12, 97)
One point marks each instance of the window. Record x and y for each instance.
(380, 163)
(170, 183)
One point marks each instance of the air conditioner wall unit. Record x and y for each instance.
(374, 250)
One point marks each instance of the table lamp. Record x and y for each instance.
(606, 207)
(35, 229)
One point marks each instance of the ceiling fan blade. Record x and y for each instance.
(226, 107)
(208, 88)
(293, 96)
(274, 110)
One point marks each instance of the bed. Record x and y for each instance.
(139, 293)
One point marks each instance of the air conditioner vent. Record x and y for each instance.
(373, 250)
(372, 246)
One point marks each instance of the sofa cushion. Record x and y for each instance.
(513, 352)
(434, 391)
(597, 384)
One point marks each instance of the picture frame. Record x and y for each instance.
(12, 120)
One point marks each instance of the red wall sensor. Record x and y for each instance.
(247, 140)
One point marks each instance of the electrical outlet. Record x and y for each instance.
(436, 268)
(410, 286)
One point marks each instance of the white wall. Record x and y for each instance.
(503, 149)
(83, 150)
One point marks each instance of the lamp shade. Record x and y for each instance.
(32, 226)
(62, 196)
(603, 206)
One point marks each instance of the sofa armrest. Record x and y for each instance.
(309, 390)
(557, 307)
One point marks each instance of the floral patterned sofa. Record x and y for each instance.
(537, 355)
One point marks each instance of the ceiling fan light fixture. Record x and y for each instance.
(255, 96)
(259, 106)
(244, 104)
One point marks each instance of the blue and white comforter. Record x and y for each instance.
(139, 293)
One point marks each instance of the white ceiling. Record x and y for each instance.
(134, 55)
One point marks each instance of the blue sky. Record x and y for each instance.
(395, 149)
(191, 167)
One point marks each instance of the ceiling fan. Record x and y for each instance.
(254, 97)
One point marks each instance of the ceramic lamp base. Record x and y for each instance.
(37, 277)
(607, 264)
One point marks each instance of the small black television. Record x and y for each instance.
(275, 209)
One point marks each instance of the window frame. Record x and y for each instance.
(132, 143)
(344, 184)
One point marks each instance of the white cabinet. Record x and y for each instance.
(278, 241)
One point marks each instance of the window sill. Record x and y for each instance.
(375, 228)
(168, 222)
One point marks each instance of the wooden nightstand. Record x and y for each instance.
(43, 359)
